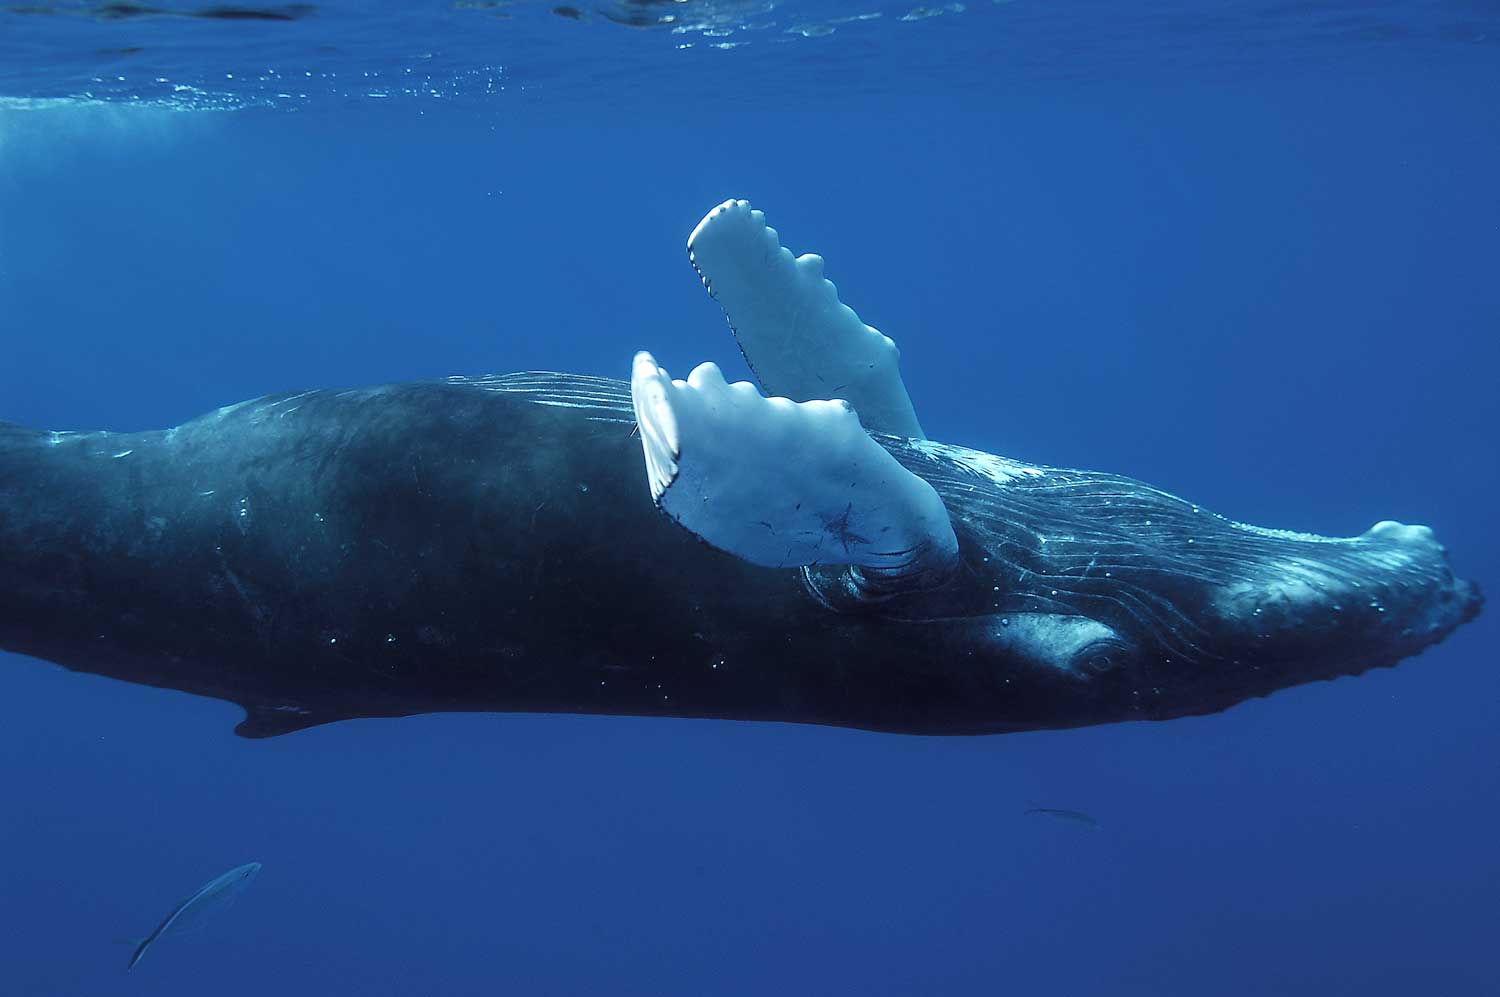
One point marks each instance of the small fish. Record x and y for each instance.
(215, 895)
(1075, 816)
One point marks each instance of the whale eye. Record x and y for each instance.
(1074, 645)
(1101, 656)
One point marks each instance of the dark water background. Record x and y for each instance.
(1254, 266)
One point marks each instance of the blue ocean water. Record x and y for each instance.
(1244, 251)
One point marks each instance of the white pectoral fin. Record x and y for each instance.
(786, 484)
(799, 339)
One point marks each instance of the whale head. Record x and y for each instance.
(1105, 599)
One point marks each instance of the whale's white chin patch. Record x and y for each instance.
(785, 484)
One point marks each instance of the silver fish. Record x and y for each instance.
(1075, 816)
(213, 896)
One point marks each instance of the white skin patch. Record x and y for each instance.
(1076, 645)
(1289, 587)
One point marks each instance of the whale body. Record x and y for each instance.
(490, 544)
(804, 554)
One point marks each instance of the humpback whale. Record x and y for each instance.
(798, 551)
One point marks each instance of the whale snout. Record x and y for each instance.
(1471, 600)
(1411, 567)
(1375, 598)
(1467, 600)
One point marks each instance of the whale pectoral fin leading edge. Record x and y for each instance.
(800, 341)
(786, 484)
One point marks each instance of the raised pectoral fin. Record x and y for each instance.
(799, 339)
(786, 484)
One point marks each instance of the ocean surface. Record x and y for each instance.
(1246, 251)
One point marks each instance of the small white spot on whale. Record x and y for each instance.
(122, 453)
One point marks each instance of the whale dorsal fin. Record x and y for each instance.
(262, 721)
(800, 341)
(787, 484)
